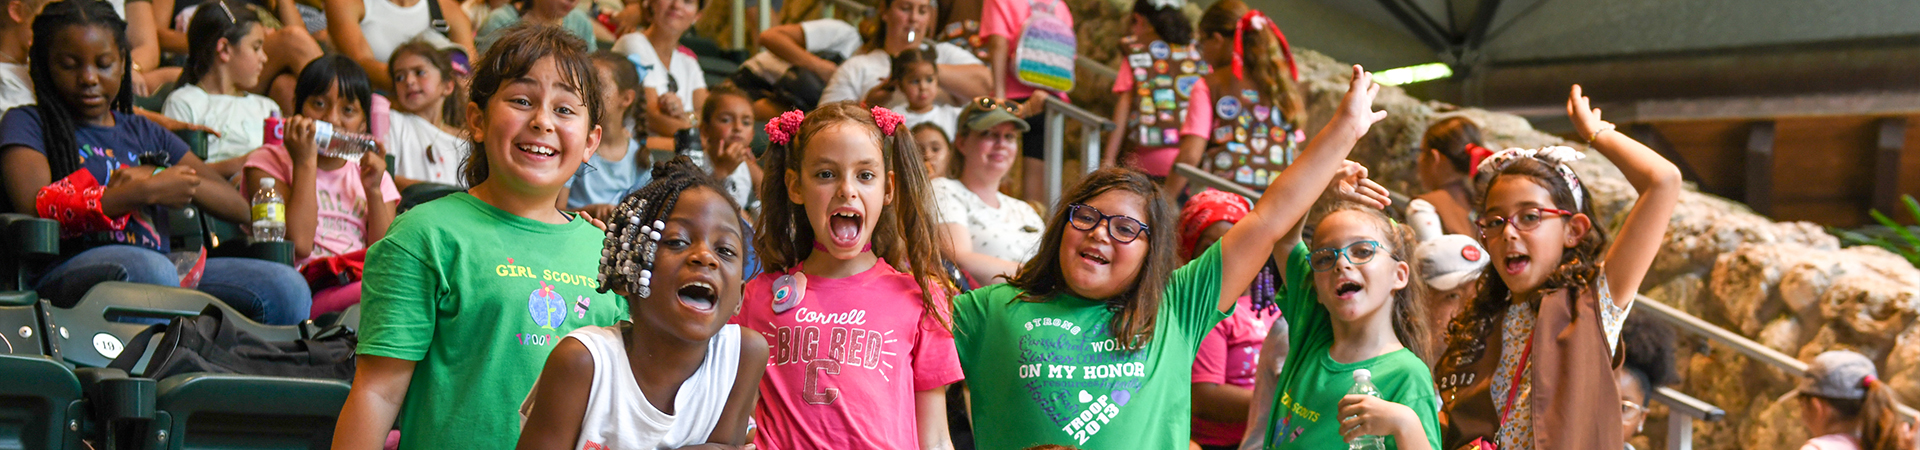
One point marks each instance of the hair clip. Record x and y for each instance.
(229, 11)
(1476, 154)
(1869, 381)
(886, 119)
(781, 130)
(1558, 156)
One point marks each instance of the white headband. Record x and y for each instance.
(1558, 156)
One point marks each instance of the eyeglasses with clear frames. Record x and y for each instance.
(1523, 220)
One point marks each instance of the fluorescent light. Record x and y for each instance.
(1413, 74)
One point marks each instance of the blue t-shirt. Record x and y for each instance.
(103, 150)
(605, 182)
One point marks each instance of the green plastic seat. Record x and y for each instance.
(41, 404)
(224, 411)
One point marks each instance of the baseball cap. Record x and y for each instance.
(987, 112)
(1836, 374)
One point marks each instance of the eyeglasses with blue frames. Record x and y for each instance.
(1357, 253)
(1123, 229)
(1523, 220)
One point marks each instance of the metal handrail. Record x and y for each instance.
(1689, 323)
(1091, 125)
(1195, 176)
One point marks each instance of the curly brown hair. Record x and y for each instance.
(1578, 268)
(1137, 308)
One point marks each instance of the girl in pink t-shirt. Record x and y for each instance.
(861, 351)
(1164, 98)
(336, 206)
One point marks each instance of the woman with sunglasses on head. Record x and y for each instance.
(988, 234)
(1092, 343)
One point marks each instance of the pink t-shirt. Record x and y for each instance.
(1008, 18)
(1158, 161)
(1227, 356)
(846, 361)
(1832, 442)
(342, 201)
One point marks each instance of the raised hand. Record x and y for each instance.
(1356, 108)
(1350, 183)
(731, 154)
(1585, 117)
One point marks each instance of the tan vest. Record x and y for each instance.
(1251, 141)
(1575, 403)
(1163, 79)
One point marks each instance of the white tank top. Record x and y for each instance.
(618, 414)
(387, 25)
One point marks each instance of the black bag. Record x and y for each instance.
(210, 343)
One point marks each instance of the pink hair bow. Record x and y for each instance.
(1257, 20)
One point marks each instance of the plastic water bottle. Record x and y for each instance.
(1363, 385)
(686, 143)
(269, 214)
(341, 144)
(327, 141)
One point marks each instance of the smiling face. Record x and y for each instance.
(1525, 258)
(673, 15)
(933, 150)
(842, 185)
(991, 151)
(1097, 266)
(535, 130)
(87, 67)
(920, 86)
(730, 120)
(696, 269)
(1356, 292)
(419, 85)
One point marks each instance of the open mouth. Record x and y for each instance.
(698, 295)
(1346, 289)
(537, 150)
(1094, 257)
(1516, 263)
(844, 226)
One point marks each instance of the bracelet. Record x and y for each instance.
(1596, 134)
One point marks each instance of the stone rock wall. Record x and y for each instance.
(1788, 285)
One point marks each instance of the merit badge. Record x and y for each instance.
(1146, 106)
(1240, 135)
(1167, 116)
(1236, 147)
(1139, 60)
(1227, 107)
(1147, 119)
(1222, 160)
(1184, 85)
(1251, 95)
(1221, 133)
(1159, 49)
(1243, 175)
(1164, 81)
(1261, 112)
(1172, 136)
(1139, 74)
(787, 291)
(1188, 66)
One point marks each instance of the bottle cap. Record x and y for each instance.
(266, 183)
(1362, 375)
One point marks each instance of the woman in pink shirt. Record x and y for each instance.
(1164, 98)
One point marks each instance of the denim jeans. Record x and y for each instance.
(264, 291)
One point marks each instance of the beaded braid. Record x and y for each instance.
(633, 231)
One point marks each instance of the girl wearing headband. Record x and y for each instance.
(851, 297)
(1529, 360)
(1258, 109)
(1453, 150)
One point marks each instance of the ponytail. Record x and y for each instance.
(1879, 421)
(1260, 50)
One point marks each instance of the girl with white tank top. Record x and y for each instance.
(618, 415)
(676, 374)
(387, 25)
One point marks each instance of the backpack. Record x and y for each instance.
(210, 342)
(1045, 57)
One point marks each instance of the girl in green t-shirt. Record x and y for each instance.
(1351, 303)
(1092, 342)
(467, 295)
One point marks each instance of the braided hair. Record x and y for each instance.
(633, 231)
(56, 116)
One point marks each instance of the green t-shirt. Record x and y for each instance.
(478, 297)
(1312, 383)
(1050, 372)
